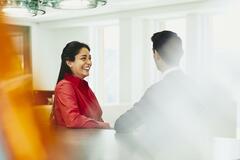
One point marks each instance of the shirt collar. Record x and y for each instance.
(170, 70)
(75, 80)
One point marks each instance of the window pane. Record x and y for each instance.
(178, 26)
(226, 33)
(226, 50)
(111, 64)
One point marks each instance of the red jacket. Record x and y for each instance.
(75, 105)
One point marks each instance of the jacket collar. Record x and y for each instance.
(75, 80)
(170, 71)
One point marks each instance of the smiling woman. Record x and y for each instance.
(75, 105)
(81, 66)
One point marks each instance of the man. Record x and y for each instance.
(177, 115)
(167, 51)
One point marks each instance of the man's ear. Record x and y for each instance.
(69, 63)
(156, 55)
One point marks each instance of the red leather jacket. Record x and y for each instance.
(75, 105)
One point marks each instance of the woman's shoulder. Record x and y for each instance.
(64, 88)
(63, 84)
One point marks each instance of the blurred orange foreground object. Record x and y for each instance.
(24, 137)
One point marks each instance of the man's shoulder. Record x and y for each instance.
(174, 78)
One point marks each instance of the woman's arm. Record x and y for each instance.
(66, 101)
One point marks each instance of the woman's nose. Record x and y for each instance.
(89, 61)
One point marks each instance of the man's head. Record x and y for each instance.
(167, 49)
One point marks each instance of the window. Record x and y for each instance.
(178, 26)
(226, 49)
(105, 70)
(111, 64)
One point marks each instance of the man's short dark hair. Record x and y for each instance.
(169, 46)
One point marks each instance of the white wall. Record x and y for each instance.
(47, 46)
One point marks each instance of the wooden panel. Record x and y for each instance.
(42, 97)
(20, 36)
(43, 113)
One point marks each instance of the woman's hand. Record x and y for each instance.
(104, 125)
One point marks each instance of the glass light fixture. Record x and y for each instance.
(37, 7)
(79, 4)
(16, 12)
(18, 8)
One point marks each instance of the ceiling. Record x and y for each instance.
(111, 7)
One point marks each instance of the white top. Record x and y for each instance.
(165, 73)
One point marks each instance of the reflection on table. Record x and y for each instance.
(100, 144)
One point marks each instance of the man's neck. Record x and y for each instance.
(170, 69)
(165, 68)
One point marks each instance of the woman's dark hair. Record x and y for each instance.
(169, 46)
(69, 52)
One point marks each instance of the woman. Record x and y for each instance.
(75, 105)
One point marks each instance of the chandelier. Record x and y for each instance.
(38, 7)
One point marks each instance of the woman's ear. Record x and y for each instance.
(69, 63)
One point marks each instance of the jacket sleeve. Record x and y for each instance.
(66, 100)
(134, 117)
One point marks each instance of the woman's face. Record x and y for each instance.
(81, 65)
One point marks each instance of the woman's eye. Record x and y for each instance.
(83, 58)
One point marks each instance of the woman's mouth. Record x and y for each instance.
(86, 68)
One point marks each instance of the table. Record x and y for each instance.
(100, 144)
(106, 144)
